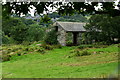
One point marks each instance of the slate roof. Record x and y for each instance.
(71, 26)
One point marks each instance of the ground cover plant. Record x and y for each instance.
(55, 63)
(18, 50)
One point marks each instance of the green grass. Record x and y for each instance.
(55, 64)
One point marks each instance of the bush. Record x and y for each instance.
(35, 49)
(84, 53)
(5, 58)
(50, 47)
(77, 53)
(47, 47)
(35, 32)
(41, 50)
(101, 43)
(8, 52)
(26, 43)
(8, 40)
(26, 49)
(51, 38)
(85, 46)
(57, 46)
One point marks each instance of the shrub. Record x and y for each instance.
(80, 47)
(26, 49)
(69, 42)
(19, 54)
(84, 53)
(57, 46)
(34, 49)
(41, 50)
(15, 49)
(35, 32)
(5, 58)
(26, 43)
(48, 47)
(24, 52)
(77, 53)
(51, 38)
(9, 50)
(85, 46)
(7, 40)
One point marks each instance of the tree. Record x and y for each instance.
(103, 28)
(51, 37)
(35, 33)
(20, 29)
(27, 21)
(73, 18)
(67, 8)
(45, 20)
(15, 28)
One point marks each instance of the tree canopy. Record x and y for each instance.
(67, 8)
(105, 19)
(103, 28)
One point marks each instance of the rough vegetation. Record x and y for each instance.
(29, 62)
(18, 50)
(51, 37)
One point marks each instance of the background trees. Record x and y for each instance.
(73, 18)
(45, 20)
(103, 28)
(51, 37)
(35, 32)
(17, 30)
(106, 21)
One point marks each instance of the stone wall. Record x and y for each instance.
(61, 36)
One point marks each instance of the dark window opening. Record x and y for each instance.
(56, 28)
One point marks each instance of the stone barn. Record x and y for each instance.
(64, 27)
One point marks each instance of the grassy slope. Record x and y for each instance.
(54, 64)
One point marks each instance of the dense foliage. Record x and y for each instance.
(64, 8)
(45, 21)
(73, 18)
(35, 32)
(51, 37)
(18, 30)
(103, 28)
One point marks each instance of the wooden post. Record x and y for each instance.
(75, 34)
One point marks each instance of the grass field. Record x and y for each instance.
(56, 64)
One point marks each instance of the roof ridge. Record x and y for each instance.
(71, 26)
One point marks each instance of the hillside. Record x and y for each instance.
(56, 63)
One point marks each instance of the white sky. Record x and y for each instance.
(54, 9)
